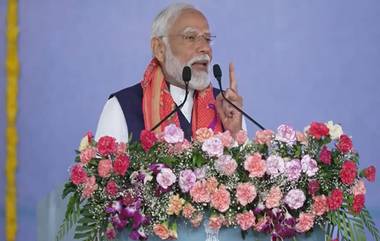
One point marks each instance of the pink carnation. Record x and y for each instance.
(166, 178)
(215, 222)
(112, 188)
(89, 187)
(107, 145)
(78, 174)
(199, 192)
(359, 188)
(305, 222)
(245, 193)
(121, 148)
(309, 166)
(255, 165)
(188, 210)
(245, 220)
(226, 165)
(203, 134)
(87, 154)
(320, 205)
(264, 137)
(121, 164)
(213, 147)
(187, 180)
(275, 165)
(287, 134)
(220, 199)
(161, 230)
(196, 220)
(105, 168)
(301, 137)
(293, 169)
(241, 137)
(212, 185)
(173, 134)
(110, 232)
(226, 138)
(273, 197)
(295, 198)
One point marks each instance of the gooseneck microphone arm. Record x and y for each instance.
(186, 76)
(218, 76)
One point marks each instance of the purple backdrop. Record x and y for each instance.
(296, 61)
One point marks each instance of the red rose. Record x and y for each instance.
(335, 199)
(112, 188)
(358, 203)
(107, 145)
(325, 156)
(121, 165)
(78, 174)
(318, 130)
(345, 144)
(370, 173)
(313, 187)
(147, 139)
(348, 172)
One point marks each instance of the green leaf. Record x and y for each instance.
(369, 223)
(83, 235)
(68, 188)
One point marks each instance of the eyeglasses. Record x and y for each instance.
(192, 38)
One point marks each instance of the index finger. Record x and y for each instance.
(233, 83)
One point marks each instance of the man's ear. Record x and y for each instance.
(158, 49)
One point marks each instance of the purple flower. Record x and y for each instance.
(309, 166)
(287, 134)
(200, 173)
(138, 234)
(173, 134)
(295, 198)
(293, 169)
(114, 207)
(187, 180)
(156, 167)
(275, 165)
(226, 165)
(118, 222)
(166, 178)
(138, 220)
(213, 147)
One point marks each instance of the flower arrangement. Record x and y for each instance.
(280, 183)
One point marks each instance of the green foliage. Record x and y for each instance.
(71, 216)
(349, 226)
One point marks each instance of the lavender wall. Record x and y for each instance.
(296, 61)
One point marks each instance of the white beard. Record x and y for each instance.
(199, 79)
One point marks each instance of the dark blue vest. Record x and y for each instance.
(130, 100)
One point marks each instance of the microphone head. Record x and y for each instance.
(186, 74)
(217, 72)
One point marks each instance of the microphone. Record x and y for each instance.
(186, 77)
(218, 76)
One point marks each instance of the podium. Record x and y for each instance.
(51, 211)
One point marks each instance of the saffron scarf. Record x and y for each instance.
(157, 103)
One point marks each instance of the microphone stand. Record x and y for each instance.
(218, 77)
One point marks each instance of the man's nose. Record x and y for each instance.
(203, 46)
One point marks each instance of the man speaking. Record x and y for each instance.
(180, 37)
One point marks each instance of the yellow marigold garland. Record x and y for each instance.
(12, 70)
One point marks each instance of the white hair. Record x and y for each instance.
(167, 17)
